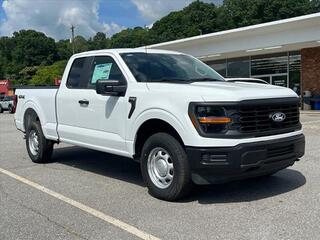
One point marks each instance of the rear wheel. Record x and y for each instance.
(165, 167)
(1, 109)
(38, 147)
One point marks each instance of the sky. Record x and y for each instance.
(55, 17)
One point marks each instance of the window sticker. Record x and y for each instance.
(101, 71)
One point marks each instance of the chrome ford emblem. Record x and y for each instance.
(278, 116)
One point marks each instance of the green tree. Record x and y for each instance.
(28, 49)
(99, 41)
(1, 71)
(236, 13)
(315, 5)
(130, 38)
(80, 44)
(25, 75)
(32, 48)
(6, 48)
(64, 49)
(197, 18)
(46, 74)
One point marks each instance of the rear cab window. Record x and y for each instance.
(79, 73)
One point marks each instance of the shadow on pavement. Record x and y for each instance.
(250, 189)
(126, 169)
(105, 164)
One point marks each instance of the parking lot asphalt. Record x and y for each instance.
(283, 206)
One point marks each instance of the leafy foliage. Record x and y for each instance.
(249, 12)
(99, 41)
(130, 38)
(30, 57)
(197, 18)
(47, 74)
(25, 75)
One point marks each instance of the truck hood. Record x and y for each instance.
(223, 91)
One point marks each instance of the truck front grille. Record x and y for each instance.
(258, 118)
(255, 118)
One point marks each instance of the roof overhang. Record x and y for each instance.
(283, 35)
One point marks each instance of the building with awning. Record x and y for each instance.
(284, 52)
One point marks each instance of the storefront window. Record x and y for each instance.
(219, 66)
(238, 67)
(282, 69)
(269, 64)
(295, 71)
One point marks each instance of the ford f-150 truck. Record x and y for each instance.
(170, 112)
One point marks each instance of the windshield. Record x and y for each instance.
(9, 98)
(159, 67)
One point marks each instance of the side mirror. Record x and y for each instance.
(111, 87)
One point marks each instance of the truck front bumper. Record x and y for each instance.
(223, 164)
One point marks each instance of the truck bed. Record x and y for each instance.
(42, 99)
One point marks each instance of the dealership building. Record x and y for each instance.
(284, 52)
(5, 88)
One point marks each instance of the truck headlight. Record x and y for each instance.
(209, 119)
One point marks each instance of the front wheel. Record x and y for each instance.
(38, 147)
(165, 167)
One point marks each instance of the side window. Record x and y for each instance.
(78, 75)
(104, 67)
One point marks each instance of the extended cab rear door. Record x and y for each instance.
(87, 118)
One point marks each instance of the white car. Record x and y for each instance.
(169, 111)
(7, 104)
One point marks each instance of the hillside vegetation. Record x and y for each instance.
(30, 57)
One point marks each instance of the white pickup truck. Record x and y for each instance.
(169, 111)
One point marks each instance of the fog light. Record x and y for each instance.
(208, 158)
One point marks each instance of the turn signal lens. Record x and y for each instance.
(209, 119)
(214, 120)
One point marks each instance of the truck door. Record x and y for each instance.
(87, 118)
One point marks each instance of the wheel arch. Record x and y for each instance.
(30, 115)
(150, 127)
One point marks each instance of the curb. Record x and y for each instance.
(310, 112)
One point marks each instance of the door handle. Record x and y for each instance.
(83, 102)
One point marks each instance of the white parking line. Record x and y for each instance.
(118, 223)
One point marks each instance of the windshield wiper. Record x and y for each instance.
(172, 80)
(205, 79)
(181, 80)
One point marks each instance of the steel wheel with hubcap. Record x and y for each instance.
(33, 142)
(39, 148)
(160, 167)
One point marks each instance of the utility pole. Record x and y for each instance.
(72, 38)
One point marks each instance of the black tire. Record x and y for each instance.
(181, 183)
(11, 109)
(1, 109)
(45, 147)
